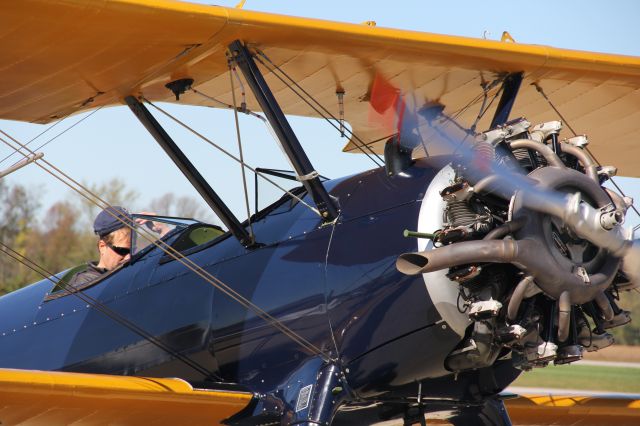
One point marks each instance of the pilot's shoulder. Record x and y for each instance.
(87, 274)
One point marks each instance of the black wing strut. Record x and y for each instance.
(190, 172)
(305, 171)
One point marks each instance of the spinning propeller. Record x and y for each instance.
(555, 224)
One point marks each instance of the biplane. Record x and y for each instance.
(483, 244)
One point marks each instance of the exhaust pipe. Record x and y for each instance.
(530, 255)
(564, 316)
(517, 297)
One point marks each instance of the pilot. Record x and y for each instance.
(114, 244)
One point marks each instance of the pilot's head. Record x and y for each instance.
(114, 235)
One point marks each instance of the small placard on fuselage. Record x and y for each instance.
(303, 398)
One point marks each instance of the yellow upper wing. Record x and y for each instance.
(63, 56)
(54, 398)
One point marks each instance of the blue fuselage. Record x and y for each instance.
(336, 285)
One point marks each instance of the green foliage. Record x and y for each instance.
(17, 213)
(63, 237)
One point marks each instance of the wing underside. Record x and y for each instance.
(65, 56)
(53, 398)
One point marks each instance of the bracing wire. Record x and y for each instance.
(355, 138)
(11, 154)
(106, 311)
(318, 107)
(228, 154)
(199, 271)
(226, 105)
(486, 88)
(564, 120)
(483, 110)
(55, 137)
(224, 288)
(242, 109)
(247, 111)
(242, 163)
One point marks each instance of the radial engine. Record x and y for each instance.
(529, 245)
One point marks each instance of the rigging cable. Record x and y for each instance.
(480, 113)
(544, 95)
(483, 110)
(360, 143)
(354, 136)
(192, 266)
(173, 253)
(228, 154)
(247, 111)
(232, 71)
(107, 311)
(34, 138)
(486, 88)
(56, 136)
(242, 109)
(224, 104)
(447, 120)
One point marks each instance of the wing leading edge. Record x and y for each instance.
(57, 398)
(66, 56)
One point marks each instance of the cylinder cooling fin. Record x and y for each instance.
(528, 268)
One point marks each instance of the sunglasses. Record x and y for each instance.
(122, 251)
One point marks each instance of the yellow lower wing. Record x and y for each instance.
(54, 398)
(29, 397)
(568, 409)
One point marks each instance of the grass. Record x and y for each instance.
(586, 377)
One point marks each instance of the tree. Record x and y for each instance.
(18, 208)
(114, 192)
(67, 244)
(185, 206)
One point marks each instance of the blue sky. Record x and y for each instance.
(112, 143)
